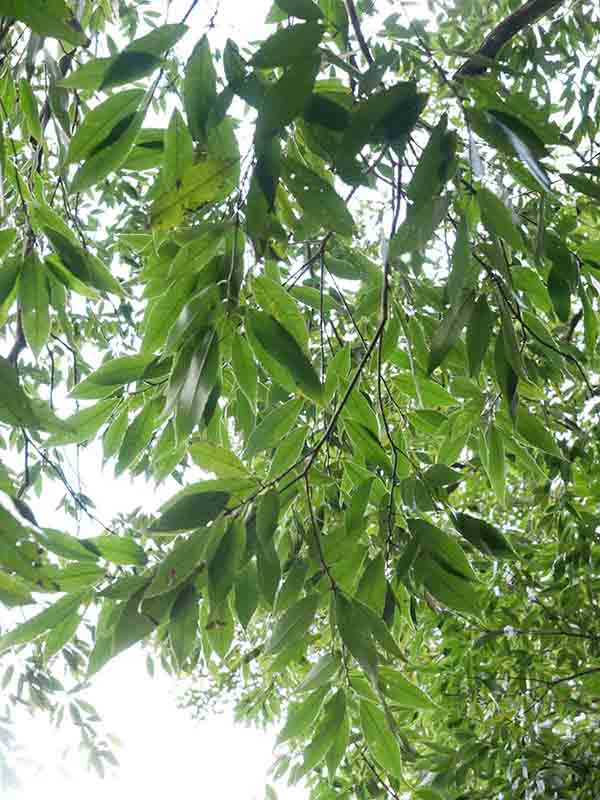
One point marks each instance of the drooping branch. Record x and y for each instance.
(507, 29)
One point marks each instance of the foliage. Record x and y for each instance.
(353, 278)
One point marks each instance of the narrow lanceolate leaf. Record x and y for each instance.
(15, 406)
(84, 424)
(533, 428)
(207, 181)
(183, 627)
(179, 152)
(293, 625)
(102, 126)
(448, 333)
(289, 97)
(479, 333)
(497, 218)
(356, 636)
(288, 45)
(226, 562)
(190, 509)
(483, 536)
(35, 302)
(44, 621)
(276, 343)
(142, 56)
(321, 743)
(53, 18)
(198, 384)
(30, 109)
(117, 549)
(199, 89)
(496, 463)
(318, 198)
(380, 739)
(301, 716)
(303, 9)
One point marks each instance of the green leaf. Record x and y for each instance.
(291, 587)
(214, 458)
(117, 549)
(199, 89)
(288, 45)
(356, 636)
(288, 452)
(245, 371)
(14, 591)
(184, 558)
(301, 716)
(380, 739)
(277, 344)
(495, 463)
(51, 18)
(303, 9)
(30, 110)
(321, 673)
(104, 124)
(322, 741)
(225, 563)
(35, 302)
(536, 432)
(208, 181)
(448, 333)
(267, 515)
(402, 692)
(279, 303)
(138, 434)
(289, 97)
(448, 587)
(88, 76)
(61, 635)
(372, 586)
(483, 536)
(199, 382)
(81, 263)
(246, 594)
(479, 333)
(84, 424)
(318, 199)
(15, 406)
(520, 139)
(65, 545)
(274, 427)
(183, 627)
(497, 218)
(115, 372)
(142, 56)
(179, 152)
(560, 294)
(442, 548)
(44, 621)
(293, 625)
(433, 167)
(581, 184)
(190, 509)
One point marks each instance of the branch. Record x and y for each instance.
(507, 29)
(358, 32)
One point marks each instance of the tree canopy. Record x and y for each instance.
(341, 284)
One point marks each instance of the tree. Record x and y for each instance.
(352, 274)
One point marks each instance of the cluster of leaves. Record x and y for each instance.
(361, 291)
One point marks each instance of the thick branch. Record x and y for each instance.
(352, 13)
(523, 17)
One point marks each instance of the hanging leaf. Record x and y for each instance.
(51, 18)
(44, 621)
(479, 333)
(199, 89)
(277, 344)
(497, 218)
(380, 739)
(190, 509)
(288, 45)
(35, 303)
(142, 56)
(293, 625)
(448, 333)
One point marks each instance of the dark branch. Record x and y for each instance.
(352, 13)
(507, 29)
